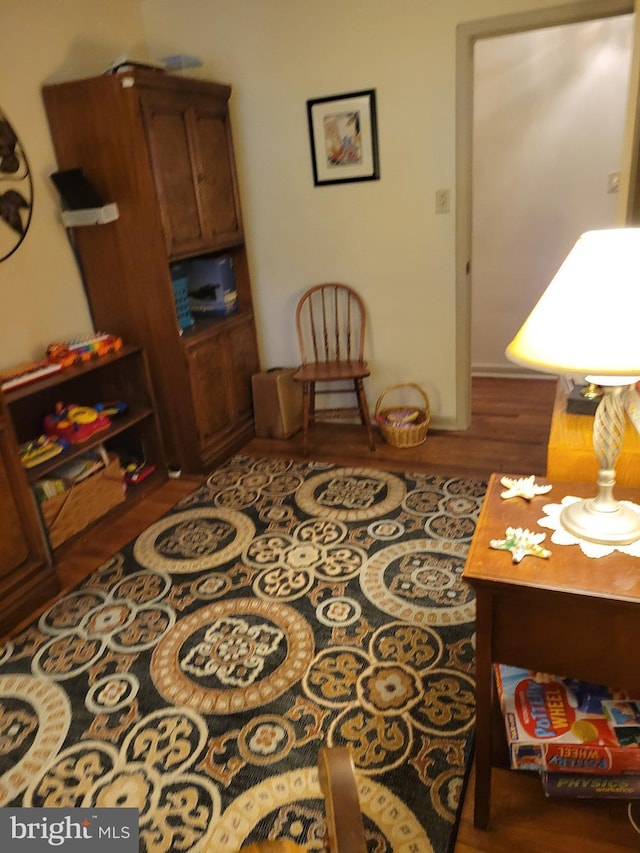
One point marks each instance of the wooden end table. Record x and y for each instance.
(570, 615)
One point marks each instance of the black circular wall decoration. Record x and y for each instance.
(16, 190)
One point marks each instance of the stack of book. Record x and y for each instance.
(583, 739)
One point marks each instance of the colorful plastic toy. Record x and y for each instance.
(41, 449)
(75, 423)
(77, 352)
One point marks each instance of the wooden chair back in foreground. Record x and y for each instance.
(336, 774)
(345, 830)
(280, 846)
(331, 325)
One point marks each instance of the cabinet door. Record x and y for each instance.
(174, 171)
(244, 363)
(216, 176)
(210, 388)
(220, 370)
(194, 172)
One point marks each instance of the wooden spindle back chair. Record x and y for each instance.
(331, 324)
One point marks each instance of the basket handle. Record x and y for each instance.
(403, 385)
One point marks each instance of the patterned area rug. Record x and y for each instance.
(281, 606)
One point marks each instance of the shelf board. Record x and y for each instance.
(67, 374)
(204, 325)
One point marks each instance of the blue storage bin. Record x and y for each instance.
(212, 285)
(181, 296)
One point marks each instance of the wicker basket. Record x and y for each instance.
(403, 425)
(69, 512)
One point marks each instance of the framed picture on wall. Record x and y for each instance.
(344, 138)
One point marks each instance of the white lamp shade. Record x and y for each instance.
(588, 319)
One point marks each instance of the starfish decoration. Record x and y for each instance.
(521, 542)
(524, 487)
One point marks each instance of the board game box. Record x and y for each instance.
(591, 786)
(560, 725)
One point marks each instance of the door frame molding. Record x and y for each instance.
(466, 36)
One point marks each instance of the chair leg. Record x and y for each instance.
(307, 393)
(312, 403)
(364, 411)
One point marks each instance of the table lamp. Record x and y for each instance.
(587, 323)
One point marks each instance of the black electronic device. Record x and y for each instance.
(76, 190)
(81, 202)
(581, 403)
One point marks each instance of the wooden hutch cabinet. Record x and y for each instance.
(160, 147)
(27, 577)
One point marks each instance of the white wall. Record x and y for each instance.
(41, 294)
(549, 110)
(382, 236)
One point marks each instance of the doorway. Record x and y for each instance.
(468, 36)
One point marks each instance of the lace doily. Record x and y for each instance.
(561, 535)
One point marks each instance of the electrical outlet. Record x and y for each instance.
(442, 201)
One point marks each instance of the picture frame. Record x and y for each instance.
(343, 133)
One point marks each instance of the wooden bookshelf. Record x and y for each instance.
(123, 377)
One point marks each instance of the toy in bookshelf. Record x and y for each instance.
(70, 473)
(112, 409)
(562, 725)
(41, 449)
(135, 474)
(77, 352)
(75, 423)
(24, 374)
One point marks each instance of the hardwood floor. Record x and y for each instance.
(509, 433)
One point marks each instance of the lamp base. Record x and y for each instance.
(615, 525)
